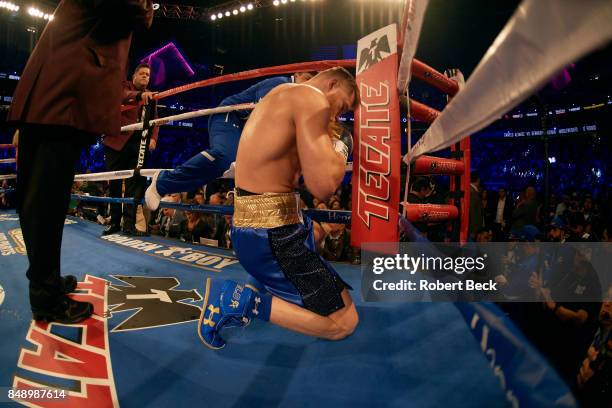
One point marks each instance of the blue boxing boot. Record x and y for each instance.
(228, 304)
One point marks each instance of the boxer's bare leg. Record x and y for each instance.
(336, 326)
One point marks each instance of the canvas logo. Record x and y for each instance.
(17, 236)
(1, 295)
(154, 302)
(9, 217)
(74, 358)
(183, 255)
(6, 248)
(379, 48)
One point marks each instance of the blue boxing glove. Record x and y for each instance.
(344, 143)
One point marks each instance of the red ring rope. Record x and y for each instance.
(419, 70)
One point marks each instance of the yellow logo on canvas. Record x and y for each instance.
(17, 236)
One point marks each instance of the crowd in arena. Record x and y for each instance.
(568, 315)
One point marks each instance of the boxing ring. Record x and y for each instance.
(140, 347)
(401, 354)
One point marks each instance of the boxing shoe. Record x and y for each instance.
(226, 304)
(152, 197)
(66, 311)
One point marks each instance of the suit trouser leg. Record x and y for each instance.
(135, 186)
(47, 157)
(112, 159)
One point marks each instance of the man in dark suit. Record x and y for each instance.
(69, 92)
(526, 211)
(121, 152)
(501, 210)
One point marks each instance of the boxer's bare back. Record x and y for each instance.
(286, 136)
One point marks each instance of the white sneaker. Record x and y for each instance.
(152, 197)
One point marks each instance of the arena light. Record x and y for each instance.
(284, 1)
(9, 6)
(34, 12)
(276, 2)
(234, 11)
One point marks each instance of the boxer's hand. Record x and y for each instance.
(344, 144)
(152, 144)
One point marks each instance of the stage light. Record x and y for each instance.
(242, 9)
(276, 2)
(213, 17)
(284, 1)
(34, 12)
(9, 6)
(250, 6)
(155, 6)
(227, 14)
(220, 15)
(235, 12)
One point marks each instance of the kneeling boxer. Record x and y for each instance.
(288, 135)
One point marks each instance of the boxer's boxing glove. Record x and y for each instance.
(344, 143)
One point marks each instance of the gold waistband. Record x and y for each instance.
(269, 210)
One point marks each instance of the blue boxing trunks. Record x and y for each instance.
(276, 246)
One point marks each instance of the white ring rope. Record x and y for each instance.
(8, 176)
(416, 14)
(542, 37)
(3, 161)
(108, 175)
(189, 115)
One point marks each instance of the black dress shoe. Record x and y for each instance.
(135, 233)
(111, 229)
(67, 311)
(69, 283)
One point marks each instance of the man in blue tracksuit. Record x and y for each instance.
(224, 131)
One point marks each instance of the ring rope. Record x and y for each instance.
(189, 115)
(331, 216)
(419, 69)
(251, 74)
